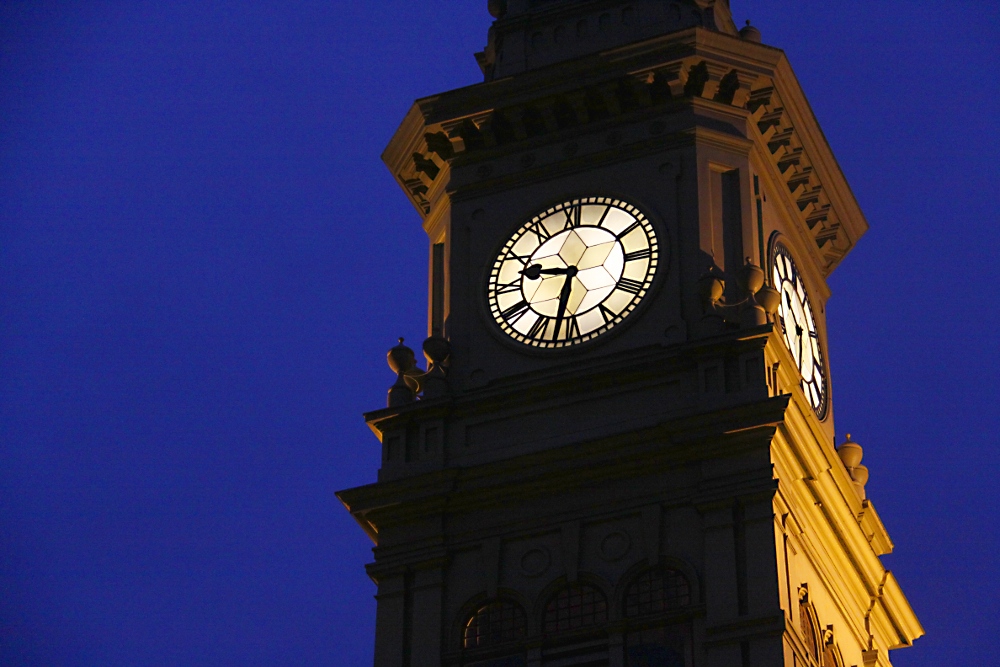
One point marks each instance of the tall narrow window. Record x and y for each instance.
(437, 290)
(722, 231)
(732, 220)
(761, 258)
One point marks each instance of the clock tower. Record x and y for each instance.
(622, 451)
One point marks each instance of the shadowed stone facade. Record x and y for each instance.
(667, 493)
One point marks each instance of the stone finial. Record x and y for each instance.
(751, 280)
(497, 8)
(851, 454)
(402, 361)
(769, 299)
(749, 307)
(751, 277)
(400, 357)
(750, 33)
(437, 350)
(710, 287)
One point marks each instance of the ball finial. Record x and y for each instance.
(750, 33)
(497, 8)
(401, 358)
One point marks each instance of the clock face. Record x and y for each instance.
(573, 272)
(799, 327)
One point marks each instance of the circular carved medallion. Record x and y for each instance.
(615, 545)
(535, 562)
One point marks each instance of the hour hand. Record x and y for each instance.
(534, 271)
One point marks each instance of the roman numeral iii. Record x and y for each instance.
(638, 254)
(629, 285)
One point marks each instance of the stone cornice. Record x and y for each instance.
(841, 535)
(815, 190)
(480, 124)
(670, 444)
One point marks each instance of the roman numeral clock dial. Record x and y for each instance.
(573, 272)
(795, 314)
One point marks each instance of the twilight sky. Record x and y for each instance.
(203, 262)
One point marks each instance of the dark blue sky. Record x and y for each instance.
(203, 262)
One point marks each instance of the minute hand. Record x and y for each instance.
(563, 299)
(798, 329)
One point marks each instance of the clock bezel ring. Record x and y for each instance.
(661, 236)
(777, 240)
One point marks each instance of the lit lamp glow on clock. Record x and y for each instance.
(573, 272)
(799, 327)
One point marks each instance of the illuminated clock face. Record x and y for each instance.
(573, 272)
(799, 326)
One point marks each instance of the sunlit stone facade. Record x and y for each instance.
(644, 472)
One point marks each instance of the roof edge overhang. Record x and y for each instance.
(463, 123)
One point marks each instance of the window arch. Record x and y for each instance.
(831, 656)
(493, 623)
(657, 590)
(810, 628)
(575, 606)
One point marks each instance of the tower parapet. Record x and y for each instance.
(529, 34)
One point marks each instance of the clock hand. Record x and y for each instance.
(798, 336)
(795, 321)
(535, 270)
(563, 298)
(791, 311)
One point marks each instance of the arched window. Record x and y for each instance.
(496, 622)
(657, 590)
(831, 656)
(810, 628)
(576, 606)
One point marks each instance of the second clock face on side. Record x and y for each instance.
(799, 327)
(573, 272)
